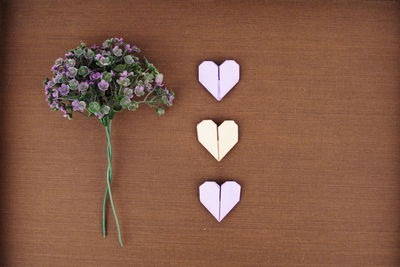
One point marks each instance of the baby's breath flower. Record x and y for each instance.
(72, 72)
(102, 80)
(104, 109)
(78, 105)
(117, 51)
(73, 84)
(159, 78)
(83, 86)
(64, 89)
(128, 59)
(70, 62)
(88, 53)
(59, 61)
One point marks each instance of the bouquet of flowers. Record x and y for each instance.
(100, 81)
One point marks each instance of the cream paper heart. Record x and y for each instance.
(218, 140)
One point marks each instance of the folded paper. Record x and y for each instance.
(219, 200)
(219, 80)
(218, 140)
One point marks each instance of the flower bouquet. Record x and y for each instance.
(100, 81)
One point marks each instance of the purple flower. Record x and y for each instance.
(119, 40)
(59, 78)
(73, 84)
(103, 60)
(124, 81)
(78, 105)
(58, 62)
(64, 89)
(148, 85)
(117, 51)
(98, 115)
(104, 109)
(136, 49)
(159, 79)
(94, 76)
(103, 85)
(54, 105)
(105, 45)
(83, 86)
(128, 59)
(54, 94)
(105, 53)
(70, 62)
(66, 115)
(128, 92)
(139, 90)
(72, 72)
(125, 101)
(128, 48)
(125, 74)
(170, 99)
(50, 83)
(89, 54)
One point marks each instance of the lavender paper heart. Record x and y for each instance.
(219, 80)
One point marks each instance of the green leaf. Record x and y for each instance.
(164, 99)
(160, 111)
(119, 68)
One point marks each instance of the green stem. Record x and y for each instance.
(145, 98)
(109, 178)
(109, 175)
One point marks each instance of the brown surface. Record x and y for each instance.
(318, 109)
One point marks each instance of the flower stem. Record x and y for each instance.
(109, 178)
(109, 175)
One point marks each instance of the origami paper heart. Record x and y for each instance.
(219, 80)
(218, 140)
(219, 200)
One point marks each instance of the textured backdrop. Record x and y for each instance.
(318, 109)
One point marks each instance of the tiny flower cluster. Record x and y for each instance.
(102, 80)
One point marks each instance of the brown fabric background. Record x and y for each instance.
(318, 109)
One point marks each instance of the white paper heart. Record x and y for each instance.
(218, 140)
(219, 200)
(219, 80)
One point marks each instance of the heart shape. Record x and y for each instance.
(218, 140)
(219, 80)
(219, 200)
